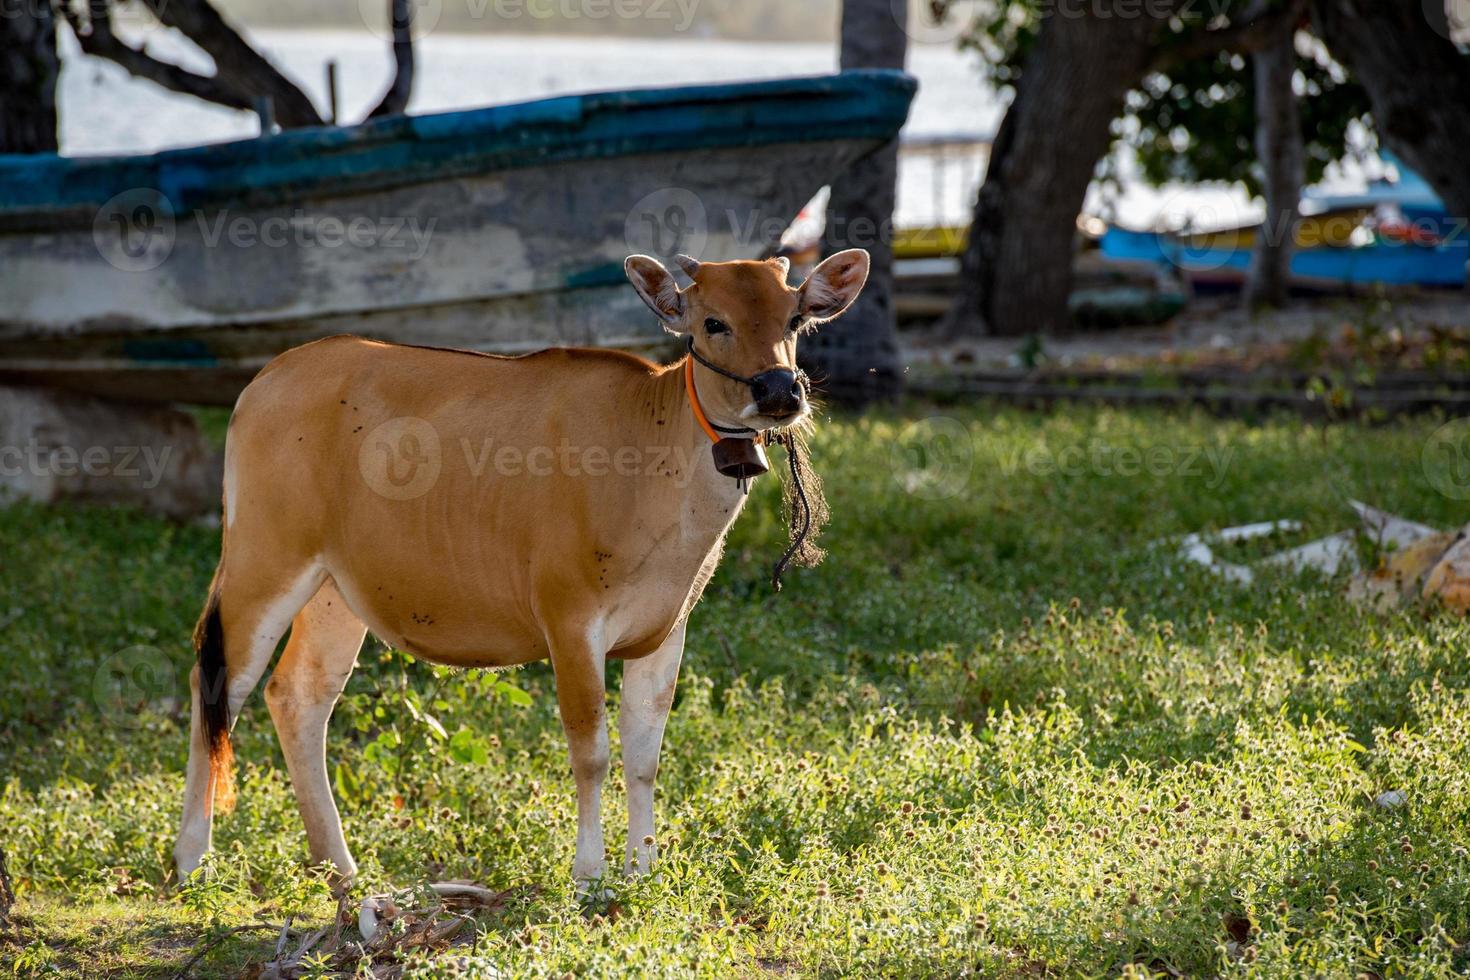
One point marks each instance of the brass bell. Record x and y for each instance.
(740, 459)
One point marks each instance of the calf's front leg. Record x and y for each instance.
(581, 697)
(648, 693)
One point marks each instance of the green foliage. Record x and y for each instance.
(1000, 731)
(1194, 120)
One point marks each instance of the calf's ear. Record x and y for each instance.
(834, 284)
(657, 288)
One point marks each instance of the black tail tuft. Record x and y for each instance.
(214, 702)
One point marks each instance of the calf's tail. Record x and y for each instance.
(214, 702)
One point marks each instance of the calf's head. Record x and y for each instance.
(744, 318)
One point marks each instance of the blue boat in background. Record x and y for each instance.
(175, 276)
(1396, 234)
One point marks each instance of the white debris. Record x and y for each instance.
(1389, 530)
(1193, 548)
(1329, 555)
(368, 912)
(1260, 530)
(463, 889)
(1390, 799)
(1418, 560)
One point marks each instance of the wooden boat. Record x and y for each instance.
(1208, 264)
(1396, 234)
(175, 276)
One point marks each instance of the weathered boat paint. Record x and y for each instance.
(176, 276)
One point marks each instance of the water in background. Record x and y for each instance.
(105, 110)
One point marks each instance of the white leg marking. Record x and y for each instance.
(195, 828)
(648, 694)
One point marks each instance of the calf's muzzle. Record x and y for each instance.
(778, 393)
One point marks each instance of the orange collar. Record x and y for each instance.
(699, 415)
(759, 438)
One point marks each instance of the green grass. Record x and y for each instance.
(998, 732)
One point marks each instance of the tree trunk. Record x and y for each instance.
(1417, 80)
(1282, 156)
(28, 72)
(1016, 274)
(855, 360)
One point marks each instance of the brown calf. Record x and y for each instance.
(483, 511)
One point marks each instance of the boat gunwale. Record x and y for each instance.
(46, 191)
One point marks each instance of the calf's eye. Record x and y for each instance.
(713, 326)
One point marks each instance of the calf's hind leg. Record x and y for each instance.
(301, 693)
(250, 606)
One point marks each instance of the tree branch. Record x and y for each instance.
(242, 74)
(395, 100)
(97, 39)
(238, 67)
(1260, 27)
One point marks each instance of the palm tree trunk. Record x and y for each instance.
(856, 359)
(28, 73)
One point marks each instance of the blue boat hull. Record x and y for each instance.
(1321, 268)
